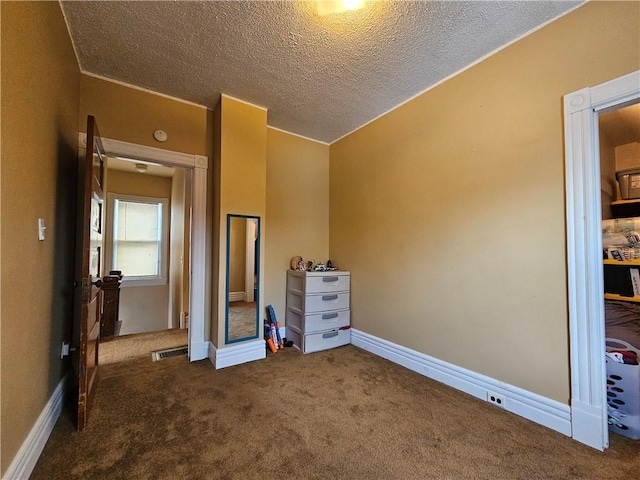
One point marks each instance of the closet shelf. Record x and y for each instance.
(624, 202)
(625, 208)
(633, 263)
(614, 296)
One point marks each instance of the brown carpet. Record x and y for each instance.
(129, 347)
(242, 320)
(340, 414)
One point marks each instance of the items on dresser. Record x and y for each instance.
(318, 315)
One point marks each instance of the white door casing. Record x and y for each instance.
(198, 165)
(250, 259)
(584, 253)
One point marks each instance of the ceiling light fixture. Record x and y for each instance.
(326, 7)
(141, 168)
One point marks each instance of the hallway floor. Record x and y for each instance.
(129, 347)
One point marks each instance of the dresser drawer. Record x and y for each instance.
(315, 342)
(318, 321)
(318, 282)
(328, 283)
(318, 303)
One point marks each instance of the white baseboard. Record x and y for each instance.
(237, 296)
(23, 463)
(534, 407)
(588, 425)
(237, 354)
(198, 351)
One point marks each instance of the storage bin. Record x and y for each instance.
(318, 321)
(318, 303)
(318, 314)
(328, 283)
(319, 282)
(623, 393)
(629, 181)
(315, 342)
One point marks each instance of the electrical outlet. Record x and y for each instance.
(496, 399)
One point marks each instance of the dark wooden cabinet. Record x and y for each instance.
(109, 325)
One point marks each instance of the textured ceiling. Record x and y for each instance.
(320, 77)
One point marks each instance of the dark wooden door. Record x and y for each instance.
(90, 295)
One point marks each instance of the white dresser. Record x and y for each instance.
(318, 315)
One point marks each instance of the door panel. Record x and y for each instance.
(90, 298)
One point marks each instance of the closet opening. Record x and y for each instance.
(619, 152)
(585, 271)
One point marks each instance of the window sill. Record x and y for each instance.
(143, 282)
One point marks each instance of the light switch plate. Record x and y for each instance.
(41, 229)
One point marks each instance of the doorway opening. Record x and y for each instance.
(619, 154)
(148, 239)
(190, 310)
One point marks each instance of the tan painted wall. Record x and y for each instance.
(449, 211)
(237, 254)
(40, 92)
(142, 308)
(242, 167)
(132, 115)
(127, 183)
(297, 209)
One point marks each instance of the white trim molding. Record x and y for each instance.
(237, 354)
(584, 253)
(298, 135)
(237, 297)
(198, 164)
(534, 407)
(244, 101)
(133, 151)
(26, 458)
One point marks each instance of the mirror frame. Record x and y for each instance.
(228, 341)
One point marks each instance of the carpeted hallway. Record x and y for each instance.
(340, 414)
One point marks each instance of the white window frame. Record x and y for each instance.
(147, 280)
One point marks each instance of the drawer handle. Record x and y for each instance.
(330, 279)
(329, 316)
(328, 298)
(330, 335)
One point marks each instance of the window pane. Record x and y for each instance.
(137, 238)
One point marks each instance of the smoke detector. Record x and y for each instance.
(160, 135)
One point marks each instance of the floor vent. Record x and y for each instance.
(168, 353)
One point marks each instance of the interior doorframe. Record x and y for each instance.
(250, 260)
(198, 166)
(584, 253)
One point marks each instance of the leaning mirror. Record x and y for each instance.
(243, 263)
